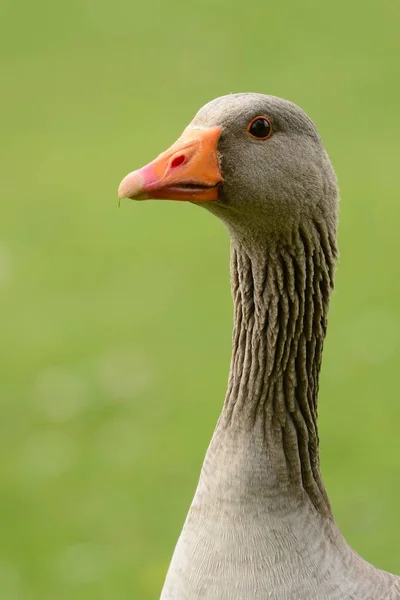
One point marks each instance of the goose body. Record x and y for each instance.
(260, 525)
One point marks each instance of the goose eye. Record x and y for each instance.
(259, 128)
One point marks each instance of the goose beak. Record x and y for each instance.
(189, 170)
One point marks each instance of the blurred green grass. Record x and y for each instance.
(115, 325)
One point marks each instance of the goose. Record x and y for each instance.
(260, 525)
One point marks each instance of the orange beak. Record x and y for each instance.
(188, 170)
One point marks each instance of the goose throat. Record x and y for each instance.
(281, 299)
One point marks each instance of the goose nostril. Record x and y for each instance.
(177, 161)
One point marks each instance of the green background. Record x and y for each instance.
(116, 324)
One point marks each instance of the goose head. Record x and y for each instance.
(255, 161)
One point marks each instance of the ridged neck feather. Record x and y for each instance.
(281, 296)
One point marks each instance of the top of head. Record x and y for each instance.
(234, 110)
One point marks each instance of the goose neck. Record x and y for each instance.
(281, 297)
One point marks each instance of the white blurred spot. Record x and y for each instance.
(10, 582)
(5, 264)
(124, 374)
(82, 563)
(61, 394)
(48, 454)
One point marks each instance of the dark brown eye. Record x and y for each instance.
(260, 128)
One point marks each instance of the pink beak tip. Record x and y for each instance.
(131, 185)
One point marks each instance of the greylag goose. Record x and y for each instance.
(260, 525)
